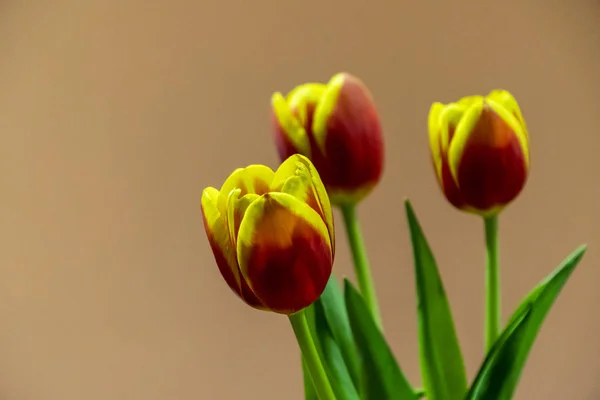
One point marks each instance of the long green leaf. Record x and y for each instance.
(334, 307)
(442, 364)
(500, 360)
(510, 361)
(329, 353)
(383, 378)
(335, 366)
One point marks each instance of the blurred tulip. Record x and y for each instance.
(337, 127)
(272, 234)
(480, 150)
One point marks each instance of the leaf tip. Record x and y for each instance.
(347, 285)
(577, 255)
(408, 208)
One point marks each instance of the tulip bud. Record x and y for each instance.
(272, 234)
(480, 151)
(337, 127)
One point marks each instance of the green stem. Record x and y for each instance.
(361, 262)
(419, 393)
(309, 387)
(492, 282)
(311, 356)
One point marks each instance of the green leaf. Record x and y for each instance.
(442, 365)
(500, 360)
(501, 371)
(331, 356)
(383, 378)
(334, 307)
(329, 353)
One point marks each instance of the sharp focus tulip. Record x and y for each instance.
(480, 150)
(272, 234)
(337, 127)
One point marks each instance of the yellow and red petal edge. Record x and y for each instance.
(285, 252)
(225, 254)
(443, 120)
(337, 127)
(299, 177)
(507, 100)
(494, 147)
(290, 133)
(348, 134)
(483, 143)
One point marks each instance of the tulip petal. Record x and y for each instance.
(347, 131)
(284, 252)
(320, 193)
(449, 186)
(435, 136)
(518, 127)
(298, 176)
(450, 118)
(289, 125)
(236, 208)
(461, 135)
(303, 97)
(218, 235)
(468, 101)
(223, 251)
(507, 100)
(286, 169)
(325, 108)
(487, 159)
(252, 179)
(443, 120)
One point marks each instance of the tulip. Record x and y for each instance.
(337, 127)
(480, 150)
(272, 234)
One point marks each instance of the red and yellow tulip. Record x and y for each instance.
(480, 150)
(337, 127)
(272, 234)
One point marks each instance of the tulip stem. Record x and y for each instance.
(361, 261)
(492, 282)
(310, 356)
(309, 387)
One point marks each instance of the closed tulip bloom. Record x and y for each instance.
(337, 127)
(272, 234)
(480, 150)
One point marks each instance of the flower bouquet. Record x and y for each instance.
(273, 238)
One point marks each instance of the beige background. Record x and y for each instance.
(115, 114)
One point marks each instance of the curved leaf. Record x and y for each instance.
(331, 356)
(442, 364)
(382, 377)
(334, 308)
(501, 360)
(502, 369)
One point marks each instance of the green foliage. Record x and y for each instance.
(442, 365)
(501, 371)
(383, 378)
(360, 364)
(327, 346)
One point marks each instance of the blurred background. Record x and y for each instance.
(114, 115)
